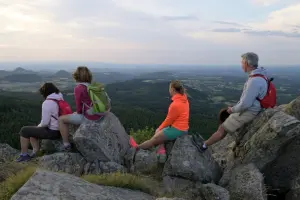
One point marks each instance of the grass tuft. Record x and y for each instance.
(124, 180)
(13, 183)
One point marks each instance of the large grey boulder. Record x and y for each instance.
(145, 162)
(174, 185)
(75, 164)
(72, 163)
(104, 140)
(214, 192)
(187, 162)
(282, 174)
(266, 144)
(293, 108)
(56, 186)
(272, 146)
(223, 151)
(247, 183)
(293, 194)
(7, 153)
(99, 167)
(243, 135)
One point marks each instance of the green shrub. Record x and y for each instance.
(12, 184)
(124, 180)
(141, 135)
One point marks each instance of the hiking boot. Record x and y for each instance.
(198, 142)
(36, 154)
(33, 155)
(66, 148)
(23, 158)
(161, 154)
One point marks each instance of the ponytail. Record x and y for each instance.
(177, 85)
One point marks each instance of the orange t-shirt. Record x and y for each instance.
(178, 114)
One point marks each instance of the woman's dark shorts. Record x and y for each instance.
(39, 133)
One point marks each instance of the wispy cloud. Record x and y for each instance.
(228, 23)
(227, 30)
(294, 34)
(179, 18)
(169, 31)
(274, 33)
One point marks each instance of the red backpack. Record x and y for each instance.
(64, 107)
(269, 100)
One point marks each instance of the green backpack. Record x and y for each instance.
(101, 103)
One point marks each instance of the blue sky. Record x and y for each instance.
(150, 31)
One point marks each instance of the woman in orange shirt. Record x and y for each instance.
(177, 121)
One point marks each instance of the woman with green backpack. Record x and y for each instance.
(91, 103)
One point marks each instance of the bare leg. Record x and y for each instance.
(64, 129)
(216, 137)
(24, 144)
(161, 145)
(157, 139)
(35, 144)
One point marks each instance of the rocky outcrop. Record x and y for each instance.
(57, 186)
(264, 146)
(173, 185)
(271, 142)
(293, 108)
(104, 140)
(7, 153)
(145, 162)
(226, 156)
(293, 194)
(247, 183)
(185, 161)
(72, 163)
(214, 192)
(257, 160)
(272, 148)
(99, 167)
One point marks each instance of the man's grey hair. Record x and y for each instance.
(251, 58)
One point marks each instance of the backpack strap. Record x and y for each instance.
(57, 105)
(259, 75)
(262, 76)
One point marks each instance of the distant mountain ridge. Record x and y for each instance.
(23, 75)
(62, 74)
(20, 70)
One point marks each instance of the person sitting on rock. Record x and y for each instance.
(83, 78)
(247, 108)
(47, 129)
(177, 121)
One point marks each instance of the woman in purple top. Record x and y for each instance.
(83, 78)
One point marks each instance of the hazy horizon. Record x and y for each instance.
(187, 32)
(67, 65)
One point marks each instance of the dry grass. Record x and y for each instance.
(13, 183)
(129, 181)
(9, 169)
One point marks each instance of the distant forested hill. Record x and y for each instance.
(23, 78)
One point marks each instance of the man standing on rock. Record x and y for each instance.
(249, 105)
